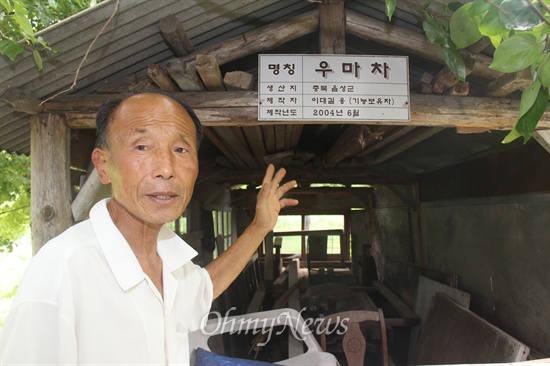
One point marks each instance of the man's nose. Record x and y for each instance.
(163, 164)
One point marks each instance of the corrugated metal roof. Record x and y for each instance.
(129, 43)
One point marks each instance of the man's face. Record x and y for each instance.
(152, 164)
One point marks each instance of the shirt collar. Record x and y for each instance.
(173, 251)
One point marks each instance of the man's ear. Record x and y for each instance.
(100, 157)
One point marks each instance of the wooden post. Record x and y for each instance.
(175, 36)
(50, 180)
(332, 27)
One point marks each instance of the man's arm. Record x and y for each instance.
(224, 269)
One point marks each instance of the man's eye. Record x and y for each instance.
(141, 147)
(181, 150)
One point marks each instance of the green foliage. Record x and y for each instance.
(21, 19)
(518, 29)
(14, 198)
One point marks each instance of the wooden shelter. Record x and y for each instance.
(424, 187)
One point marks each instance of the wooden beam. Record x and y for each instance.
(241, 109)
(185, 75)
(85, 197)
(255, 140)
(237, 144)
(175, 36)
(238, 80)
(413, 138)
(412, 42)
(446, 79)
(209, 71)
(509, 83)
(332, 27)
(211, 134)
(50, 180)
(395, 134)
(354, 139)
(543, 138)
(161, 78)
(261, 39)
(21, 101)
(306, 176)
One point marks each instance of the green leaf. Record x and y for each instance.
(37, 59)
(527, 123)
(543, 71)
(529, 96)
(10, 49)
(495, 40)
(479, 7)
(6, 4)
(435, 33)
(454, 61)
(516, 53)
(464, 29)
(491, 25)
(514, 134)
(390, 8)
(518, 15)
(23, 23)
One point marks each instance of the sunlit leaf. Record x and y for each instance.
(527, 123)
(390, 8)
(23, 23)
(529, 96)
(514, 134)
(37, 59)
(6, 4)
(10, 49)
(454, 61)
(435, 33)
(463, 28)
(518, 15)
(491, 25)
(516, 53)
(479, 7)
(495, 40)
(543, 71)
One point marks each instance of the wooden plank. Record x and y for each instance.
(332, 27)
(50, 181)
(21, 101)
(295, 347)
(241, 109)
(354, 139)
(255, 304)
(453, 334)
(269, 138)
(402, 309)
(238, 80)
(413, 138)
(209, 71)
(161, 78)
(212, 135)
(255, 140)
(175, 36)
(261, 39)
(85, 197)
(185, 75)
(425, 295)
(235, 142)
(280, 133)
(543, 138)
(446, 79)
(509, 83)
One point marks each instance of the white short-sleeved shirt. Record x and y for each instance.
(85, 300)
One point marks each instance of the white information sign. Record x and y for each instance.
(328, 87)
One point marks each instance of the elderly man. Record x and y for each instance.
(120, 288)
